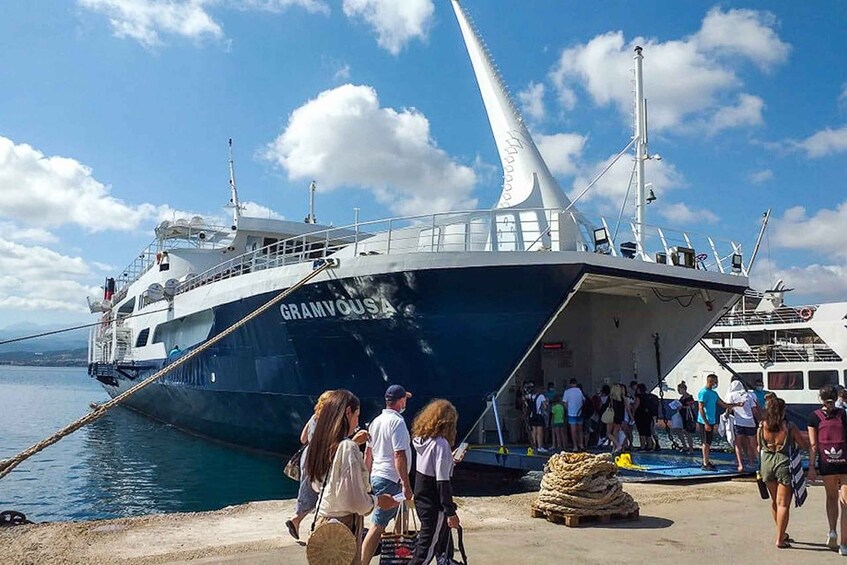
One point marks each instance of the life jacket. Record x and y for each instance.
(832, 437)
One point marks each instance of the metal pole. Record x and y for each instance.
(767, 216)
(356, 222)
(640, 152)
(502, 449)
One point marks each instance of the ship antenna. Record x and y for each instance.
(310, 219)
(641, 154)
(233, 196)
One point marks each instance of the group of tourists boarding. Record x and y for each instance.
(561, 421)
(761, 426)
(343, 485)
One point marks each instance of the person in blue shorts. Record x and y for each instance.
(574, 399)
(707, 416)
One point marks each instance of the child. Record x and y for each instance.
(557, 419)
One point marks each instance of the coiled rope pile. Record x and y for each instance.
(581, 484)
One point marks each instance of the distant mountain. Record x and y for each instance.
(61, 358)
(76, 339)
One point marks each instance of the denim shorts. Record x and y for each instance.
(574, 420)
(384, 486)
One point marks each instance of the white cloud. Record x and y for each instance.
(681, 214)
(822, 233)
(46, 191)
(743, 32)
(345, 138)
(748, 112)
(395, 22)
(824, 282)
(342, 74)
(843, 96)
(759, 177)
(147, 20)
(611, 189)
(532, 100)
(14, 232)
(60, 279)
(562, 151)
(823, 143)
(256, 210)
(686, 80)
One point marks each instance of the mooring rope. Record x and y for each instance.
(7, 465)
(581, 484)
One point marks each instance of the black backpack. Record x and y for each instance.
(587, 407)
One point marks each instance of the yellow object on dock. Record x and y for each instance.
(624, 461)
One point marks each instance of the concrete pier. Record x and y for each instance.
(718, 522)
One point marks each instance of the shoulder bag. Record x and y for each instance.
(292, 469)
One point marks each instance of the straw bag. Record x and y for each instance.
(608, 415)
(398, 548)
(331, 543)
(292, 469)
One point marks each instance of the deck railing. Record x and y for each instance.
(814, 353)
(497, 230)
(784, 315)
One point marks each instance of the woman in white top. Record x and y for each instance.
(337, 468)
(745, 424)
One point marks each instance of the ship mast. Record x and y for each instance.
(641, 154)
(233, 196)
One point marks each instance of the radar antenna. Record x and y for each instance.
(233, 196)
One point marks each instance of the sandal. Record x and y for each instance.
(292, 530)
(784, 545)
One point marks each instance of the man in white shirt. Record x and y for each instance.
(574, 399)
(387, 457)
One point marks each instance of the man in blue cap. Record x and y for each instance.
(388, 456)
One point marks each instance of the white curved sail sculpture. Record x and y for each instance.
(527, 181)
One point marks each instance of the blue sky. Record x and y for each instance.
(115, 114)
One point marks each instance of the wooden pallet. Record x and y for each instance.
(575, 520)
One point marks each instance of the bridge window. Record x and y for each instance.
(141, 341)
(817, 379)
(785, 380)
(749, 379)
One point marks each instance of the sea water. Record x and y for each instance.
(121, 465)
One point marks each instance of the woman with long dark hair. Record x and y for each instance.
(775, 439)
(828, 458)
(337, 468)
(433, 433)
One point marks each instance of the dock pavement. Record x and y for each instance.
(719, 522)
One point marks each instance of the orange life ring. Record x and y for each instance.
(806, 313)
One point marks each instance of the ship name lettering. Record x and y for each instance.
(341, 307)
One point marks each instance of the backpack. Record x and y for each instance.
(532, 406)
(832, 438)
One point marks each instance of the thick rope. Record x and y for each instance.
(7, 465)
(581, 484)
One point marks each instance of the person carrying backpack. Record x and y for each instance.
(828, 458)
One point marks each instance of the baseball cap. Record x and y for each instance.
(396, 392)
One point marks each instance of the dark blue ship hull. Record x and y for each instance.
(455, 333)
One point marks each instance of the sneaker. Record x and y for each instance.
(709, 467)
(832, 540)
(542, 450)
(843, 550)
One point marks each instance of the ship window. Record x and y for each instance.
(817, 379)
(142, 337)
(127, 307)
(749, 379)
(785, 380)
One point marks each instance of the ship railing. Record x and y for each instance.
(775, 353)
(191, 237)
(783, 315)
(498, 230)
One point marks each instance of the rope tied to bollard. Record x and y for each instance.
(7, 465)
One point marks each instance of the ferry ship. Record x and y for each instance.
(454, 305)
(795, 350)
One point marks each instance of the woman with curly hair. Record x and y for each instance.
(433, 433)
